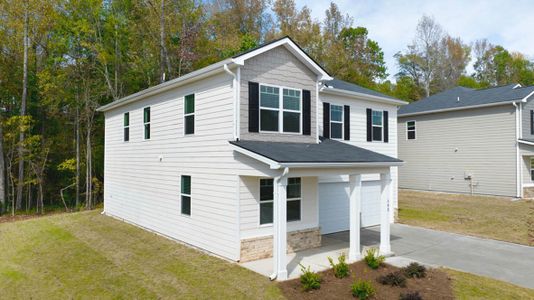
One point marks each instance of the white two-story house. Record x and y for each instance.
(254, 156)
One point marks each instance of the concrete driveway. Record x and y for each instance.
(500, 260)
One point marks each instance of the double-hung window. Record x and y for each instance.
(532, 169)
(378, 126)
(294, 198)
(189, 114)
(410, 130)
(280, 109)
(146, 122)
(186, 195)
(126, 126)
(336, 121)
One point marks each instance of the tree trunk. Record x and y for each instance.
(162, 50)
(77, 157)
(2, 169)
(20, 182)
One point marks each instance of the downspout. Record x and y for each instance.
(236, 111)
(275, 263)
(518, 162)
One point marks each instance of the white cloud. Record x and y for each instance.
(392, 23)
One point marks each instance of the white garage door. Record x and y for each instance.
(334, 205)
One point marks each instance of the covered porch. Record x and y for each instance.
(329, 158)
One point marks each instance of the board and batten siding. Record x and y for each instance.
(450, 145)
(249, 191)
(278, 67)
(142, 177)
(358, 133)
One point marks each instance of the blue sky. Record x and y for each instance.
(392, 23)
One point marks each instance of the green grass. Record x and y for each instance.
(86, 255)
(469, 286)
(489, 217)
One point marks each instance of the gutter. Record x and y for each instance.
(519, 192)
(460, 108)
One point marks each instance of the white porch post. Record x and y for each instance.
(280, 228)
(385, 246)
(355, 209)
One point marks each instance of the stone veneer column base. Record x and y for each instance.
(528, 192)
(262, 247)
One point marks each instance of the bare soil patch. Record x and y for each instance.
(436, 285)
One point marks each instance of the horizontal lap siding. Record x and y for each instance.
(277, 67)
(525, 119)
(358, 129)
(146, 191)
(485, 139)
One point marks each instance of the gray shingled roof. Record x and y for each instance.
(328, 151)
(468, 97)
(351, 87)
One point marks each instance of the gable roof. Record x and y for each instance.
(238, 60)
(328, 152)
(464, 98)
(337, 86)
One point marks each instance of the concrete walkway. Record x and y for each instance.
(500, 260)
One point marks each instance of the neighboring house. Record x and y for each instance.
(241, 159)
(469, 141)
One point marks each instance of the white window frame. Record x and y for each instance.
(338, 122)
(280, 109)
(272, 201)
(187, 195)
(531, 168)
(191, 114)
(409, 130)
(378, 126)
(124, 127)
(145, 123)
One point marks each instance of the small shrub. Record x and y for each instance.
(410, 296)
(414, 270)
(309, 279)
(372, 258)
(341, 269)
(362, 289)
(394, 279)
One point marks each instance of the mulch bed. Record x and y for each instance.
(436, 285)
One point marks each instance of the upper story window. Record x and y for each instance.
(189, 114)
(293, 194)
(336, 121)
(146, 122)
(410, 130)
(280, 109)
(377, 120)
(126, 126)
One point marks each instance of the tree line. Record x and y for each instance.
(61, 59)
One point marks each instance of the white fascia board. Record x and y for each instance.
(196, 75)
(335, 91)
(460, 108)
(272, 164)
(293, 48)
(526, 98)
(341, 165)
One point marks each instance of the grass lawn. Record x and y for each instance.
(484, 216)
(87, 255)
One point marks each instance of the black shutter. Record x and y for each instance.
(306, 110)
(386, 127)
(326, 120)
(369, 125)
(253, 106)
(346, 121)
(532, 122)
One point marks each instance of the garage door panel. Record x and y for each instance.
(334, 205)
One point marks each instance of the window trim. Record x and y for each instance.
(337, 122)
(182, 194)
(409, 130)
(145, 123)
(531, 169)
(124, 127)
(280, 109)
(190, 114)
(378, 126)
(272, 201)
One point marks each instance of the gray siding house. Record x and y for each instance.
(469, 141)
